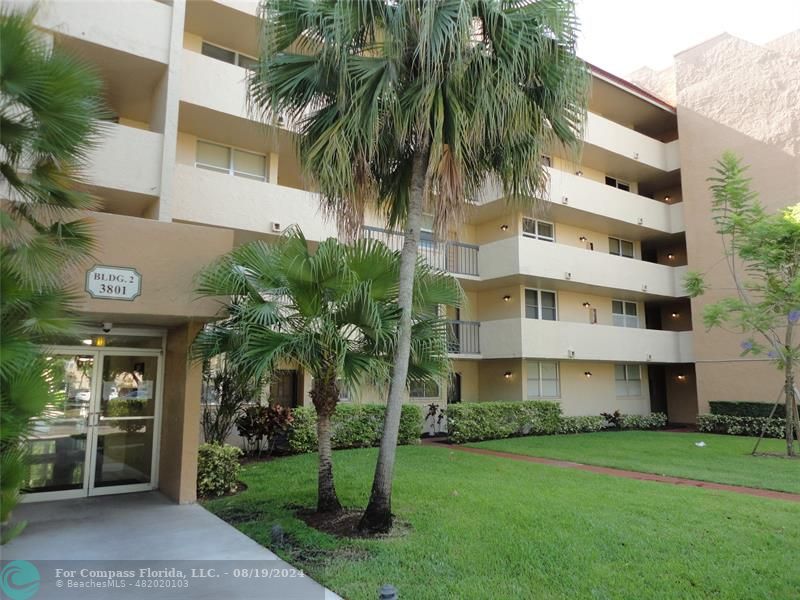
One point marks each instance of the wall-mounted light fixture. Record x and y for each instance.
(564, 199)
(567, 275)
(681, 377)
(507, 374)
(675, 315)
(86, 342)
(503, 227)
(649, 357)
(670, 256)
(640, 221)
(579, 173)
(588, 374)
(571, 353)
(506, 298)
(100, 341)
(636, 155)
(644, 287)
(583, 238)
(587, 304)
(667, 199)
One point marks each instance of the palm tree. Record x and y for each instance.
(333, 312)
(414, 105)
(49, 111)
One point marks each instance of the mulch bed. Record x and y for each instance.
(344, 524)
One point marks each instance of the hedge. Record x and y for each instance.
(747, 409)
(581, 424)
(472, 422)
(749, 426)
(217, 469)
(652, 421)
(354, 426)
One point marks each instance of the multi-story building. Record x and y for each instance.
(582, 302)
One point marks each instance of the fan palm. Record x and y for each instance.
(49, 111)
(415, 104)
(333, 312)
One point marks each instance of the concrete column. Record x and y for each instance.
(180, 422)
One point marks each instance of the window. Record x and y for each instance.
(625, 314)
(620, 247)
(420, 389)
(540, 230)
(628, 379)
(228, 56)
(618, 183)
(540, 304)
(233, 161)
(543, 380)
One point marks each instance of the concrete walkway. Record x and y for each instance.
(135, 531)
(738, 489)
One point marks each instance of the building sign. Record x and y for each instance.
(113, 283)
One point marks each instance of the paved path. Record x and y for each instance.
(626, 474)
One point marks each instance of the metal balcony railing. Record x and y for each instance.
(454, 257)
(463, 337)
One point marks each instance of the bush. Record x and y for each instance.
(651, 421)
(472, 422)
(217, 469)
(354, 426)
(749, 426)
(258, 422)
(747, 409)
(581, 424)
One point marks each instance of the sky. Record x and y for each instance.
(622, 35)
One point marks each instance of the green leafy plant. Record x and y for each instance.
(747, 409)
(585, 424)
(762, 252)
(354, 426)
(405, 105)
(654, 420)
(333, 311)
(471, 422)
(230, 391)
(771, 427)
(259, 423)
(218, 469)
(49, 120)
(613, 420)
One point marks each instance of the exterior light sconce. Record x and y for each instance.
(506, 298)
(586, 304)
(588, 374)
(636, 155)
(571, 353)
(564, 199)
(649, 357)
(86, 342)
(640, 221)
(579, 173)
(583, 238)
(670, 256)
(644, 287)
(681, 378)
(100, 341)
(667, 199)
(567, 275)
(676, 315)
(503, 227)
(507, 374)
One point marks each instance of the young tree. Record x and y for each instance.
(333, 312)
(411, 105)
(762, 251)
(49, 111)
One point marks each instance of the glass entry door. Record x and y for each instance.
(99, 432)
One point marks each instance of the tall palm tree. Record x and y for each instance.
(410, 105)
(49, 111)
(333, 312)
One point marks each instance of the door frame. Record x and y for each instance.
(88, 489)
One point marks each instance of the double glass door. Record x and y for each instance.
(99, 432)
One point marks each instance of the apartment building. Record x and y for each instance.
(582, 302)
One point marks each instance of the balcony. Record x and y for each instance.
(563, 340)
(618, 139)
(137, 28)
(223, 200)
(213, 84)
(127, 159)
(454, 257)
(559, 262)
(463, 338)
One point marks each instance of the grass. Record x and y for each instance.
(486, 527)
(724, 459)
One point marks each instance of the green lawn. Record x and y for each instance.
(724, 459)
(486, 527)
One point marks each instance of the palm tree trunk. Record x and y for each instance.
(325, 395)
(378, 515)
(789, 392)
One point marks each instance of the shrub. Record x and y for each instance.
(354, 426)
(613, 420)
(651, 421)
(259, 422)
(747, 409)
(580, 424)
(472, 422)
(749, 426)
(217, 469)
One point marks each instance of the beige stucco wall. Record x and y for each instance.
(737, 96)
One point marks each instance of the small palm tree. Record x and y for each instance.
(49, 113)
(333, 312)
(412, 104)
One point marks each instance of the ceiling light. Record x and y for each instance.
(86, 342)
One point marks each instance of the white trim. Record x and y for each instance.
(537, 235)
(538, 364)
(620, 240)
(624, 314)
(538, 303)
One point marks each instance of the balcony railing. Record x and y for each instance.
(455, 257)
(463, 337)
